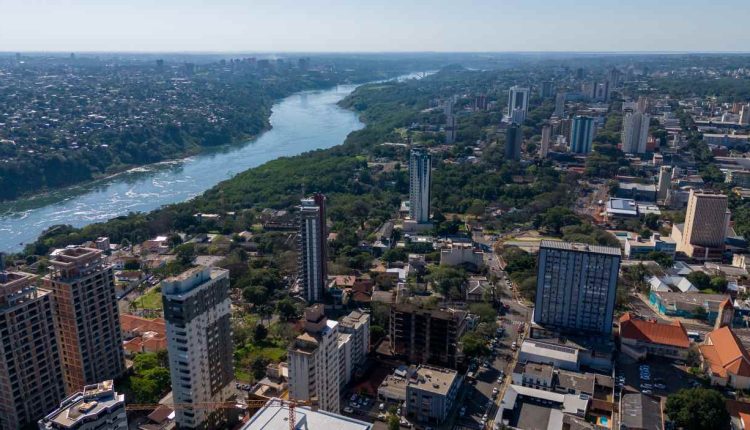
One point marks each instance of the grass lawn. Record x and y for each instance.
(151, 300)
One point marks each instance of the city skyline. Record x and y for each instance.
(372, 26)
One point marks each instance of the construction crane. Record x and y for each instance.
(245, 404)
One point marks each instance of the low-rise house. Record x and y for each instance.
(672, 284)
(640, 338)
(725, 359)
(479, 289)
(142, 334)
(157, 245)
(689, 305)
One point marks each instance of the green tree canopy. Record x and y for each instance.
(698, 409)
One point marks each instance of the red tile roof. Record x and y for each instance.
(673, 334)
(132, 323)
(725, 354)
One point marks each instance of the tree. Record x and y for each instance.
(145, 361)
(719, 283)
(698, 409)
(257, 295)
(185, 254)
(393, 422)
(646, 233)
(701, 280)
(555, 218)
(287, 309)
(474, 345)
(260, 334)
(447, 279)
(259, 367)
(652, 221)
(485, 311)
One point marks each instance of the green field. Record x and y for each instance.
(151, 300)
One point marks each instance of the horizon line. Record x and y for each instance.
(269, 52)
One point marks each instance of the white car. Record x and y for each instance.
(646, 391)
(348, 410)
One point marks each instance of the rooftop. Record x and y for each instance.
(640, 411)
(622, 206)
(436, 380)
(580, 247)
(725, 354)
(673, 334)
(275, 416)
(80, 406)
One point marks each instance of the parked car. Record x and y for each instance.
(348, 410)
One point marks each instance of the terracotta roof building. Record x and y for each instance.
(142, 334)
(725, 360)
(641, 337)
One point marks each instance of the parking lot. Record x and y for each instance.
(655, 376)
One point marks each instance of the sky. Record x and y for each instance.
(373, 25)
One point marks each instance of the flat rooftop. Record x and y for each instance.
(580, 247)
(436, 380)
(275, 416)
(92, 401)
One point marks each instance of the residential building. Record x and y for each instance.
(450, 128)
(479, 289)
(559, 105)
(696, 305)
(98, 406)
(431, 393)
(635, 132)
(745, 115)
(545, 89)
(357, 323)
(740, 178)
(576, 286)
(344, 351)
(547, 377)
(640, 338)
(664, 184)
(88, 319)
(513, 142)
(559, 356)
(518, 98)
(582, 134)
(142, 334)
(725, 359)
(546, 139)
(314, 366)
(199, 342)
(275, 416)
(313, 247)
(420, 173)
(426, 335)
(641, 412)
(31, 381)
(705, 229)
(461, 253)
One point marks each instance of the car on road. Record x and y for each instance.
(348, 410)
(382, 406)
(646, 391)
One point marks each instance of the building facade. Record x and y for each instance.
(513, 142)
(31, 382)
(582, 134)
(431, 393)
(199, 342)
(96, 407)
(635, 132)
(87, 316)
(420, 173)
(314, 362)
(576, 286)
(706, 220)
(426, 335)
(357, 324)
(664, 183)
(518, 99)
(313, 247)
(546, 140)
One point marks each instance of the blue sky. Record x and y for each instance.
(370, 25)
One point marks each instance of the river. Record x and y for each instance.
(302, 122)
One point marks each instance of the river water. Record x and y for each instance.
(302, 122)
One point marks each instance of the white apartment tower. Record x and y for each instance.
(518, 100)
(199, 342)
(357, 323)
(314, 362)
(635, 132)
(312, 247)
(420, 165)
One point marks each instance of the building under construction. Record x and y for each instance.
(422, 335)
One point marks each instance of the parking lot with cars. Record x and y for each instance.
(655, 376)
